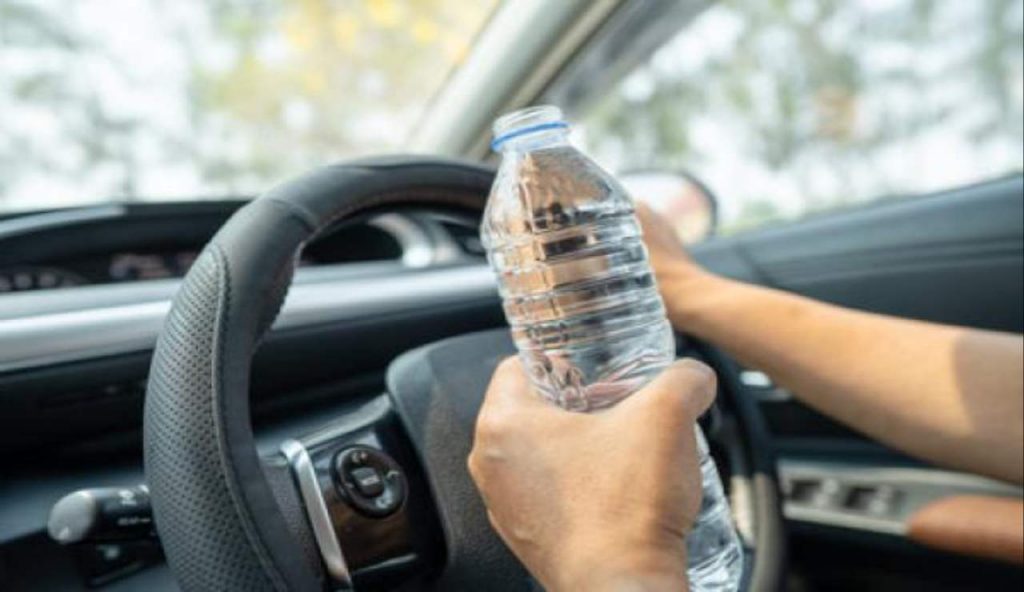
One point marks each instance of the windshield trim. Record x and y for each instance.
(522, 48)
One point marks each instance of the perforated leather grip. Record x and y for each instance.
(221, 525)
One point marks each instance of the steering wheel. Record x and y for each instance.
(381, 498)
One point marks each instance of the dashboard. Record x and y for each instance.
(140, 242)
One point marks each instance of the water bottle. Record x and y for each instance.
(581, 301)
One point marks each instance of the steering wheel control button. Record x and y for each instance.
(370, 481)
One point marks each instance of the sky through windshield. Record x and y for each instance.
(106, 100)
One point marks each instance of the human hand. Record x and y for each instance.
(678, 275)
(666, 251)
(599, 501)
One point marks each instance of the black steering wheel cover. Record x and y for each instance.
(437, 390)
(219, 520)
(768, 572)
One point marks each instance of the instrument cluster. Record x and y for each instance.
(101, 269)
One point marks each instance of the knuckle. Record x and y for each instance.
(486, 429)
(507, 368)
(493, 520)
(492, 425)
(666, 396)
(473, 465)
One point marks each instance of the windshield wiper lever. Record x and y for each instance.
(102, 515)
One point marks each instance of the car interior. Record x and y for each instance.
(241, 270)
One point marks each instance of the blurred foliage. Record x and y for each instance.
(319, 76)
(782, 106)
(793, 106)
(241, 92)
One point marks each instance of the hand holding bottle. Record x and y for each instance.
(598, 501)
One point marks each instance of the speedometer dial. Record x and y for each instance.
(23, 279)
(150, 266)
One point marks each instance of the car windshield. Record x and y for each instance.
(792, 107)
(120, 100)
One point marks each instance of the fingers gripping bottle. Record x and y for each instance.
(580, 298)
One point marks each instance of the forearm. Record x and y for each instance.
(946, 394)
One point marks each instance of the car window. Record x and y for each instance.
(111, 100)
(791, 107)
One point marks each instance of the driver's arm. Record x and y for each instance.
(950, 395)
(598, 502)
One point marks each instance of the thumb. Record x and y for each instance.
(680, 394)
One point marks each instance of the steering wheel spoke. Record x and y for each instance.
(369, 512)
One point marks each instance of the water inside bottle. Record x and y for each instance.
(578, 293)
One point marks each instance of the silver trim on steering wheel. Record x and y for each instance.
(316, 511)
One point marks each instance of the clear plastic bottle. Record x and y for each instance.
(581, 301)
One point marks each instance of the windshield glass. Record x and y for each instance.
(796, 107)
(118, 100)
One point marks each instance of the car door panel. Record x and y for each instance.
(953, 257)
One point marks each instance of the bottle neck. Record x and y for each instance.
(532, 128)
(536, 138)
